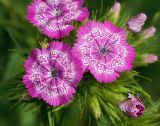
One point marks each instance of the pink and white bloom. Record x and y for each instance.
(136, 23)
(103, 50)
(149, 32)
(150, 58)
(54, 17)
(52, 74)
(133, 106)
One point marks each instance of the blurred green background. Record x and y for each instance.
(17, 35)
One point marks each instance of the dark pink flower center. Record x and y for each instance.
(54, 73)
(104, 50)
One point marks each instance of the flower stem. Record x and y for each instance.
(51, 119)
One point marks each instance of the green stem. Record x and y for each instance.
(51, 119)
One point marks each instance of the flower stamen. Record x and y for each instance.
(56, 12)
(54, 73)
(105, 51)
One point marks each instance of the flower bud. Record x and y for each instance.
(135, 23)
(94, 90)
(133, 106)
(116, 7)
(150, 58)
(94, 106)
(115, 10)
(149, 32)
(111, 96)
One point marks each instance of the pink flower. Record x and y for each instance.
(103, 50)
(135, 23)
(132, 107)
(150, 58)
(52, 74)
(54, 17)
(149, 32)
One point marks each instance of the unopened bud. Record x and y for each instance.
(149, 32)
(112, 96)
(150, 58)
(116, 7)
(136, 23)
(94, 106)
(94, 90)
(115, 10)
(133, 106)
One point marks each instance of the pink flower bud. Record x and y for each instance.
(135, 23)
(149, 32)
(116, 7)
(150, 58)
(132, 107)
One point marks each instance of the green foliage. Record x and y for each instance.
(109, 97)
(95, 104)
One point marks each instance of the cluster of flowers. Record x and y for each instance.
(52, 73)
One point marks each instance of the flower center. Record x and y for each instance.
(104, 51)
(56, 12)
(54, 73)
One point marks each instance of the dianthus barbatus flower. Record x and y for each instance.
(52, 74)
(149, 32)
(103, 50)
(150, 58)
(54, 17)
(116, 7)
(135, 23)
(132, 107)
(115, 10)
